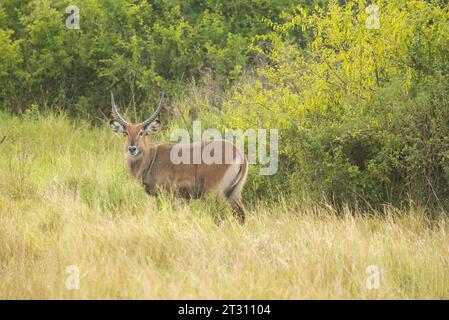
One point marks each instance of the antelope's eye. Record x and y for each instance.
(141, 133)
(125, 133)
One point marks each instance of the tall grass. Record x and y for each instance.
(66, 199)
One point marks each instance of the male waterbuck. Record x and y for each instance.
(221, 168)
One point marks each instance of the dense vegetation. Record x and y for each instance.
(362, 112)
(136, 48)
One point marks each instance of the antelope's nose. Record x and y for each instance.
(132, 150)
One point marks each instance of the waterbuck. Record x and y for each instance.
(221, 168)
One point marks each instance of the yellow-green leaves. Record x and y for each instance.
(353, 91)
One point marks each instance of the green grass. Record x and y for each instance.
(67, 199)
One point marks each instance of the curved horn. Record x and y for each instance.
(116, 114)
(155, 114)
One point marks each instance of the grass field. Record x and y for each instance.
(67, 200)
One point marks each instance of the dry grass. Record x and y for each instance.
(66, 199)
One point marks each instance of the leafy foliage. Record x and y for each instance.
(136, 48)
(363, 112)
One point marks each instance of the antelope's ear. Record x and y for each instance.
(116, 126)
(153, 126)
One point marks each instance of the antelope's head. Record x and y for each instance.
(136, 142)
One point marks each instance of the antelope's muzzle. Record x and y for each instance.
(133, 151)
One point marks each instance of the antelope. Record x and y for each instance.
(152, 165)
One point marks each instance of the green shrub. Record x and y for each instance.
(136, 48)
(362, 113)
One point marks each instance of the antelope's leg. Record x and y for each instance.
(151, 189)
(238, 209)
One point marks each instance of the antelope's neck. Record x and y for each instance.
(137, 166)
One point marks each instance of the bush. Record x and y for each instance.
(136, 48)
(362, 112)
